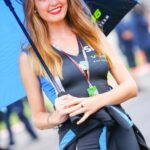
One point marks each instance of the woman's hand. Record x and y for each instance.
(61, 114)
(86, 106)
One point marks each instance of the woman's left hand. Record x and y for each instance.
(86, 106)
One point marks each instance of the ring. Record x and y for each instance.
(82, 106)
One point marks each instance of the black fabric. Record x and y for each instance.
(75, 84)
(110, 12)
(140, 138)
(79, 130)
(121, 139)
(118, 137)
(89, 141)
(118, 140)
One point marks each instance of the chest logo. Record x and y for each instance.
(87, 49)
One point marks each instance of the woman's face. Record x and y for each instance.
(52, 11)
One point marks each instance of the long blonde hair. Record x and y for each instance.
(77, 20)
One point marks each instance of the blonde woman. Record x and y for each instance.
(77, 54)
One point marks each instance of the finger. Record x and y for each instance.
(79, 111)
(70, 96)
(73, 102)
(64, 112)
(59, 104)
(63, 97)
(62, 103)
(85, 116)
(73, 108)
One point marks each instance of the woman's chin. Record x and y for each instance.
(55, 20)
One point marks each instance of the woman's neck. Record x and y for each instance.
(59, 30)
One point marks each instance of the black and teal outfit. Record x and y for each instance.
(102, 131)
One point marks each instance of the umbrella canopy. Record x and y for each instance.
(11, 37)
(107, 13)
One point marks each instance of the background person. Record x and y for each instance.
(18, 109)
(126, 42)
(140, 28)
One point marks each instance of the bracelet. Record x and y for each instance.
(48, 122)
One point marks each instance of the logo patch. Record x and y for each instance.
(87, 49)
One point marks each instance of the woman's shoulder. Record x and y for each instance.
(25, 51)
(24, 60)
(23, 55)
(25, 66)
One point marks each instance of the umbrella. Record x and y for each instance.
(11, 37)
(107, 13)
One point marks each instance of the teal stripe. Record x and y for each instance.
(123, 115)
(68, 137)
(103, 139)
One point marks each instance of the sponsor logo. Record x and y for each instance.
(96, 18)
(96, 15)
(87, 49)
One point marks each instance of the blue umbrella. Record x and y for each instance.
(107, 13)
(11, 37)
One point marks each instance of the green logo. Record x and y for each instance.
(96, 15)
(94, 56)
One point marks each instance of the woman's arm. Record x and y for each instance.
(41, 118)
(127, 87)
(125, 90)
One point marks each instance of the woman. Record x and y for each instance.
(78, 55)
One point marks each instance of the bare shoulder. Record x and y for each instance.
(23, 58)
(24, 61)
(25, 66)
(31, 84)
(28, 76)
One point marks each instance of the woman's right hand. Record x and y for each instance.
(60, 106)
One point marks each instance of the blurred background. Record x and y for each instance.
(131, 40)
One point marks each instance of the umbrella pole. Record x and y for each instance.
(9, 4)
(60, 92)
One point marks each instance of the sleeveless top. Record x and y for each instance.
(74, 82)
